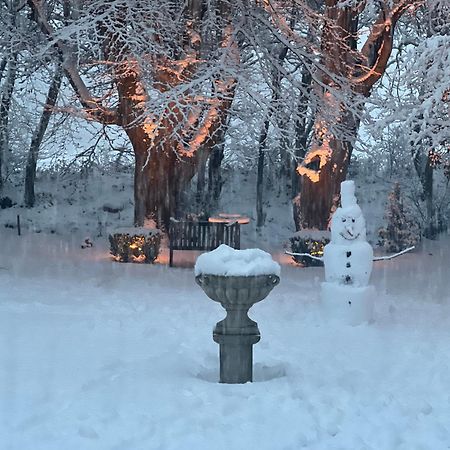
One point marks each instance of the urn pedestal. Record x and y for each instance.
(237, 333)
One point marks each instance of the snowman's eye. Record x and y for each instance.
(343, 219)
(353, 220)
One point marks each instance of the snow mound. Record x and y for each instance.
(225, 260)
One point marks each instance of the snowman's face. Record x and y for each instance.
(348, 225)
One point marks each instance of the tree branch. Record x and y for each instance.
(2, 67)
(378, 46)
(386, 258)
(317, 258)
(92, 106)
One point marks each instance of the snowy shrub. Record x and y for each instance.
(5, 202)
(311, 242)
(401, 231)
(135, 244)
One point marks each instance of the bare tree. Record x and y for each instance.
(38, 136)
(8, 70)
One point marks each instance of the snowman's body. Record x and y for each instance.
(348, 262)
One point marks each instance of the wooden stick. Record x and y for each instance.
(317, 258)
(385, 258)
(378, 258)
(18, 225)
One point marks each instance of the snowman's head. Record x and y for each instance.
(348, 224)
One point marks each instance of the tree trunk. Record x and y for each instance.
(325, 165)
(3, 63)
(276, 80)
(302, 131)
(287, 162)
(424, 169)
(336, 127)
(260, 214)
(163, 169)
(215, 176)
(5, 106)
(431, 229)
(161, 176)
(201, 184)
(38, 136)
(422, 158)
(318, 198)
(153, 181)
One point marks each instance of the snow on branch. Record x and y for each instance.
(378, 46)
(92, 106)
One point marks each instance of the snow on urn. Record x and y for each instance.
(236, 279)
(348, 262)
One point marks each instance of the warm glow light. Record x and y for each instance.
(316, 248)
(126, 247)
(323, 153)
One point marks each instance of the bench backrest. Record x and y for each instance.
(203, 235)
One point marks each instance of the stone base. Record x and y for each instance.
(237, 323)
(347, 304)
(236, 357)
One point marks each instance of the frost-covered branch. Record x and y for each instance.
(378, 47)
(93, 108)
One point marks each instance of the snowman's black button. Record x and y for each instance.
(348, 265)
(349, 254)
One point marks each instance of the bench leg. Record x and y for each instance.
(171, 258)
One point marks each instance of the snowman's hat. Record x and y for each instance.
(348, 198)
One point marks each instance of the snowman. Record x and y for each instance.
(348, 257)
(346, 294)
(348, 262)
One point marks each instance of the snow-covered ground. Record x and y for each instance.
(102, 355)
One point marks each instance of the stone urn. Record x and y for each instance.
(237, 333)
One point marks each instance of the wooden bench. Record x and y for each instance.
(203, 236)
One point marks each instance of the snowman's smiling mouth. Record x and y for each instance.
(349, 236)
